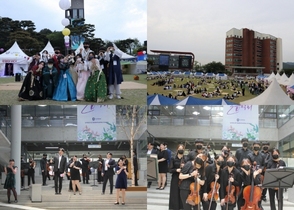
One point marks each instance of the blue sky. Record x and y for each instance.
(200, 26)
(113, 19)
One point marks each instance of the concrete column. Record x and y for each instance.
(16, 142)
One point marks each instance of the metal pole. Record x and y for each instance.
(16, 142)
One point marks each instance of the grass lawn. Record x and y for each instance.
(210, 88)
(130, 96)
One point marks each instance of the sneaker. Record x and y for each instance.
(118, 97)
(110, 96)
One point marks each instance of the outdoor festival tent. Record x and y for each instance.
(16, 57)
(190, 100)
(283, 80)
(49, 49)
(273, 95)
(271, 76)
(221, 76)
(160, 100)
(291, 80)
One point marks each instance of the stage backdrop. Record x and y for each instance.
(96, 122)
(240, 122)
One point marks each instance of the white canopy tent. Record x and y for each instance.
(283, 80)
(48, 48)
(273, 95)
(290, 81)
(13, 60)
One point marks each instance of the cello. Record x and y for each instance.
(251, 195)
(230, 197)
(194, 197)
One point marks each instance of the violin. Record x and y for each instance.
(213, 194)
(251, 195)
(230, 197)
(194, 197)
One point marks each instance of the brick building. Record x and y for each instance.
(251, 53)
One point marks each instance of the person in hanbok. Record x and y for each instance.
(115, 78)
(31, 88)
(45, 56)
(83, 75)
(72, 69)
(66, 89)
(50, 79)
(96, 89)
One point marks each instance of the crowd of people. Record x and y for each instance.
(198, 179)
(74, 169)
(83, 76)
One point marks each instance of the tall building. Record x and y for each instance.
(251, 53)
(75, 12)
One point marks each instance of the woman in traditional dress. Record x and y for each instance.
(50, 79)
(96, 89)
(83, 76)
(9, 184)
(121, 181)
(31, 88)
(72, 70)
(66, 89)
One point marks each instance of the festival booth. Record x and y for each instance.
(190, 100)
(273, 95)
(13, 61)
(283, 80)
(160, 100)
(48, 48)
(221, 76)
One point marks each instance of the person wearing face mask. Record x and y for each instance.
(257, 157)
(45, 56)
(246, 175)
(226, 154)
(86, 51)
(199, 150)
(267, 158)
(242, 153)
(212, 172)
(66, 89)
(176, 164)
(192, 170)
(232, 175)
(50, 79)
(96, 89)
(275, 162)
(83, 75)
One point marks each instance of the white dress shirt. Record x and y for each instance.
(59, 161)
(106, 162)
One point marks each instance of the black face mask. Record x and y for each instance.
(199, 161)
(265, 148)
(220, 163)
(90, 58)
(226, 152)
(86, 47)
(256, 148)
(246, 167)
(181, 151)
(245, 144)
(275, 156)
(199, 147)
(230, 164)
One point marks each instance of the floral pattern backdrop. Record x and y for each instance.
(96, 123)
(240, 121)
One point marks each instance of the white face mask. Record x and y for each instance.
(50, 66)
(79, 59)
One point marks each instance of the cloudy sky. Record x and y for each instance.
(113, 19)
(200, 26)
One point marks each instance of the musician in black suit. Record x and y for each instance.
(43, 165)
(107, 172)
(100, 166)
(59, 163)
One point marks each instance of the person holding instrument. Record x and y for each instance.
(176, 164)
(211, 190)
(10, 171)
(229, 181)
(276, 162)
(192, 176)
(250, 192)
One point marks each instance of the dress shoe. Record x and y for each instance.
(116, 203)
(123, 203)
(102, 193)
(15, 201)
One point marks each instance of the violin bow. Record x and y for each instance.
(213, 191)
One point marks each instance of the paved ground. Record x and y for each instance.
(91, 198)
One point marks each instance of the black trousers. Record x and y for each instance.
(272, 194)
(85, 172)
(44, 177)
(230, 207)
(58, 181)
(100, 178)
(31, 175)
(264, 193)
(184, 195)
(22, 181)
(206, 205)
(108, 175)
(136, 178)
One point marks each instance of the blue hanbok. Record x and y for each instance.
(66, 89)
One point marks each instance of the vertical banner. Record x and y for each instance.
(240, 122)
(96, 122)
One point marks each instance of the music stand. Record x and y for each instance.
(281, 178)
(152, 168)
(94, 165)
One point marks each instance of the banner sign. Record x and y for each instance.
(240, 121)
(96, 122)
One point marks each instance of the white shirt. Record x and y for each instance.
(59, 161)
(149, 152)
(106, 162)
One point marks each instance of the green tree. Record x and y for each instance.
(197, 66)
(57, 40)
(78, 27)
(214, 67)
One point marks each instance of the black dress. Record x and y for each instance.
(75, 173)
(174, 194)
(163, 166)
(10, 179)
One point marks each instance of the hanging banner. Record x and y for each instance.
(96, 122)
(240, 122)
